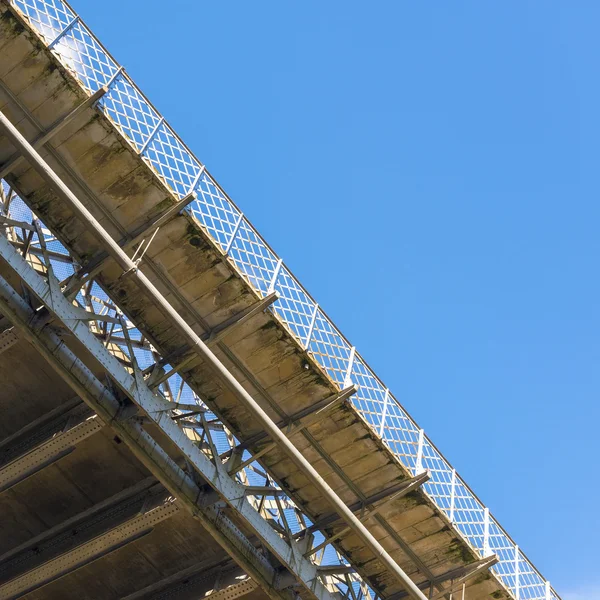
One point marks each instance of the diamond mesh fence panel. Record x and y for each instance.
(141, 124)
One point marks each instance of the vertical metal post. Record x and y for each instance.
(313, 320)
(63, 32)
(151, 136)
(386, 400)
(548, 591)
(275, 276)
(452, 495)
(234, 233)
(419, 464)
(486, 532)
(196, 179)
(517, 576)
(113, 77)
(348, 377)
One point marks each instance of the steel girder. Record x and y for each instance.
(224, 581)
(98, 531)
(49, 451)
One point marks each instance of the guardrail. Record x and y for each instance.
(132, 113)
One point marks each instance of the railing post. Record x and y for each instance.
(151, 136)
(196, 179)
(313, 320)
(113, 78)
(419, 464)
(63, 32)
(386, 401)
(517, 576)
(275, 276)
(234, 233)
(486, 532)
(452, 495)
(348, 378)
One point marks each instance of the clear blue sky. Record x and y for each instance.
(430, 173)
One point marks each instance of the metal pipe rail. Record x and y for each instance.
(197, 345)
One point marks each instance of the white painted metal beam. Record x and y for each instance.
(100, 260)
(213, 337)
(457, 577)
(305, 417)
(58, 126)
(394, 492)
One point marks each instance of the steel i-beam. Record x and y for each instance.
(221, 582)
(103, 529)
(47, 453)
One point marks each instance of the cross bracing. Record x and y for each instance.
(199, 426)
(255, 261)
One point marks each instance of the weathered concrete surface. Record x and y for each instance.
(82, 496)
(118, 187)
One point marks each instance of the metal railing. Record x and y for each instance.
(140, 123)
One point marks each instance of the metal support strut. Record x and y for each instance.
(121, 258)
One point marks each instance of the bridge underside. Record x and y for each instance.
(107, 494)
(81, 515)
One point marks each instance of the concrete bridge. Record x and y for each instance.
(180, 418)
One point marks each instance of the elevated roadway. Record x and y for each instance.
(111, 485)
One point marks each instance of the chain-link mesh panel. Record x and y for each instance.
(256, 262)
(139, 122)
(214, 211)
(371, 394)
(130, 112)
(401, 434)
(330, 348)
(80, 51)
(294, 306)
(48, 17)
(174, 163)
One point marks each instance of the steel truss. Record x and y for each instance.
(220, 470)
(79, 299)
(212, 452)
(196, 347)
(204, 458)
(74, 45)
(77, 48)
